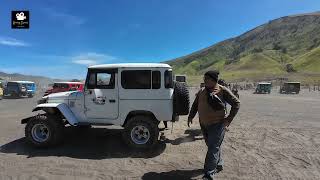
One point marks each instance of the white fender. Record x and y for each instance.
(64, 109)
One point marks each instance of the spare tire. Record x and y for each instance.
(181, 100)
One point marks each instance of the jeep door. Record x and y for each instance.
(101, 95)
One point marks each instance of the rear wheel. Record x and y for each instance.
(44, 131)
(141, 132)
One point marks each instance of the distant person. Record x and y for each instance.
(235, 92)
(210, 104)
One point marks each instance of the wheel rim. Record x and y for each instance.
(40, 132)
(140, 134)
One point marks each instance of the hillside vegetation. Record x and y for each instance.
(285, 47)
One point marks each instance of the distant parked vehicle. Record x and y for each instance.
(263, 88)
(64, 86)
(20, 89)
(180, 78)
(1, 91)
(290, 87)
(30, 86)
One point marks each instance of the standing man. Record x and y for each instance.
(210, 104)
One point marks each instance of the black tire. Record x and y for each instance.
(54, 127)
(181, 100)
(14, 95)
(148, 123)
(30, 96)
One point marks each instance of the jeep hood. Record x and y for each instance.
(69, 95)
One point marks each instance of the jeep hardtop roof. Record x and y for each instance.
(292, 82)
(23, 82)
(68, 82)
(130, 65)
(264, 83)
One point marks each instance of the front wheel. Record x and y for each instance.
(141, 132)
(44, 131)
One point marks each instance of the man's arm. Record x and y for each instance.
(231, 99)
(194, 107)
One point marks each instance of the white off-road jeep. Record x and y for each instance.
(134, 96)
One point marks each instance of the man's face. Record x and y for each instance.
(209, 82)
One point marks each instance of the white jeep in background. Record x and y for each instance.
(134, 96)
(180, 78)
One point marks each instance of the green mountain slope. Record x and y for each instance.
(263, 52)
(309, 62)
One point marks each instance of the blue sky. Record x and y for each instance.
(67, 36)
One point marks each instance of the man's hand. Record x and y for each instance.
(189, 121)
(226, 123)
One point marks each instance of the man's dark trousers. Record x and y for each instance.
(213, 136)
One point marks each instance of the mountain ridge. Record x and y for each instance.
(284, 40)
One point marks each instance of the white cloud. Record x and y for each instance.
(92, 58)
(66, 18)
(85, 62)
(7, 41)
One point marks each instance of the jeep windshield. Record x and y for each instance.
(12, 86)
(61, 85)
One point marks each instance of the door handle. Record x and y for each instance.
(112, 100)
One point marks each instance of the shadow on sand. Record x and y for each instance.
(192, 136)
(14, 98)
(94, 143)
(173, 175)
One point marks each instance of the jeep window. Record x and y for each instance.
(168, 79)
(101, 80)
(60, 85)
(64, 86)
(136, 79)
(156, 79)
